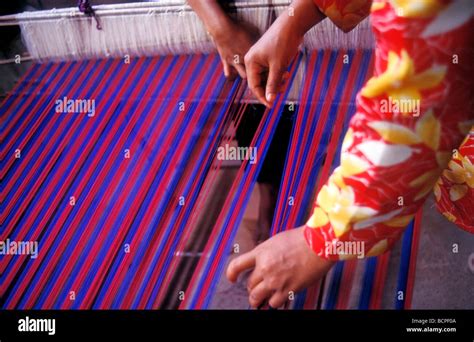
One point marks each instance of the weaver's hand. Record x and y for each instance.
(268, 60)
(281, 264)
(233, 41)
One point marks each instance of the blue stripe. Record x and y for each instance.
(370, 266)
(19, 93)
(72, 191)
(54, 193)
(99, 194)
(404, 266)
(239, 193)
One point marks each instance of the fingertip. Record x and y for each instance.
(260, 95)
(230, 272)
(270, 97)
(277, 301)
(267, 104)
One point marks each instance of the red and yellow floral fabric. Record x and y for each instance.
(410, 120)
(454, 190)
(346, 14)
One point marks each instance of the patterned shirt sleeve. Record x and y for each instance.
(454, 191)
(345, 14)
(410, 117)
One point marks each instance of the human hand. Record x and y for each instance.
(281, 264)
(233, 40)
(268, 60)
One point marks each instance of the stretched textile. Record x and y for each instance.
(107, 166)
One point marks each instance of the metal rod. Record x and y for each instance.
(24, 58)
(123, 9)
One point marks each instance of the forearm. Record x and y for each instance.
(212, 15)
(299, 18)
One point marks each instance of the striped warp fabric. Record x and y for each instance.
(86, 186)
(113, 197)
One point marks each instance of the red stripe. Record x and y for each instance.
(346, 284)
(173, 234)
(32, 161)
(333, 145)
(379, 281)
(14, 91)
(176, 69)
(312, 294)
(330, 153)
(34, 87)
(57, 178)
(413, 258)
(35, 212)
(101, 178)
(266, 137)
(323, 116)
(297, 132)
(202, 198)
(198, 112)
(58, 253)
(147, 184)
(46, 245)
(43, 96)
(146, 265)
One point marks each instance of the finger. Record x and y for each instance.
(240, 264)
(259, 295)
(229, 72)
(275, 78)
(225, 67)
(254, 79)
(241, 70)
(278, 299)
(286, 76)
(254, 279)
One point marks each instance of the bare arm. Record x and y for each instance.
(212, 15)
(273, 53)
(232, 39)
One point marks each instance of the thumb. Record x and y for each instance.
(274, 81)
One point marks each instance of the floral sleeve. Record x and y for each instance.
(410, 117)
(454, 191)
(345, 14)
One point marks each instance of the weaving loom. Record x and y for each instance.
(115, 198)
